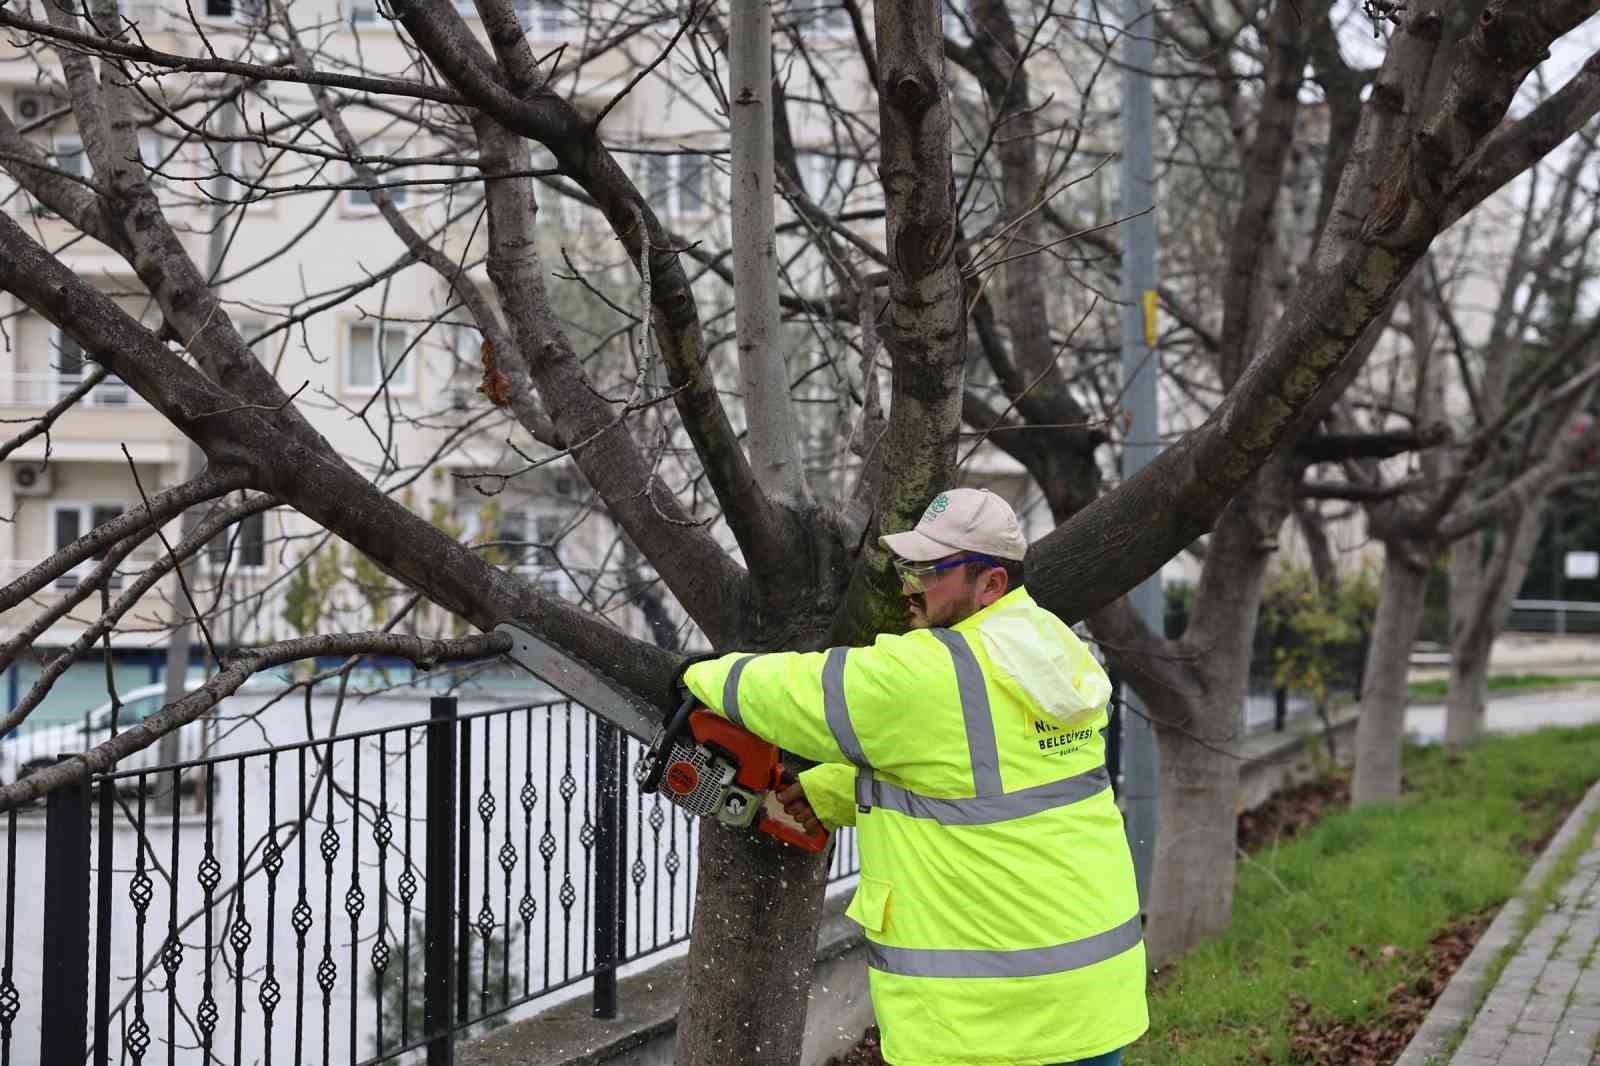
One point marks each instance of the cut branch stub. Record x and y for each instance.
(912, 93)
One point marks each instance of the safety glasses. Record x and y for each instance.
(917, 577)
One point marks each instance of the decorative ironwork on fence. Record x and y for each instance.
(352, 899)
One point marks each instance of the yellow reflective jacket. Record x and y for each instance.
(997, 890)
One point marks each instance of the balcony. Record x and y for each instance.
(95, 429)
(42, 390)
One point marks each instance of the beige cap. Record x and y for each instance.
(974, 520)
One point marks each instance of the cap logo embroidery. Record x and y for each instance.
(940, 504)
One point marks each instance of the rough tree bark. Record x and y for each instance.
(1381, 727)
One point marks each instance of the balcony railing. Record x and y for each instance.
(42, 390)
(11, 569)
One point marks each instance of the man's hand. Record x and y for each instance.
(793, 798)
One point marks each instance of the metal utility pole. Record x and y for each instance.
(1140, 757)
(181, 638)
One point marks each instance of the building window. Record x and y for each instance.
(675, 185)
(820, 16)
(156, 153)
(829, 181)
(67, 155)
(528, 541)
(243, 547)
(548, 19)
(68, 522)
(142, 13)
(382, 173)
(375, 364)
(265, 348)
(246, 11)
(363, 12)
(72, 366)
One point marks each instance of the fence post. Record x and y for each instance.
(64, 1022)
(438, 1016)
(607, 894)
(1280, 707)
(102, 928)
(464, 874)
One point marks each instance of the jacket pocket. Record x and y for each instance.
(870, 905)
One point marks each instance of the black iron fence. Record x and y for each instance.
(373, 896)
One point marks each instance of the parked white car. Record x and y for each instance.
(25, 750)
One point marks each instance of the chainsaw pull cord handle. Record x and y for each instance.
(675, 727)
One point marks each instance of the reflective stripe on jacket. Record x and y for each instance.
(997, 890)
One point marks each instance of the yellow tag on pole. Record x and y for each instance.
(1150, 318)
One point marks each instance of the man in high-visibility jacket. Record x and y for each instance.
(997, 889)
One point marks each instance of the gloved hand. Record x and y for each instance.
(676, 692)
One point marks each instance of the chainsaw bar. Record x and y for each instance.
(579, 683)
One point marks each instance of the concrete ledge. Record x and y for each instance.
(1453, 1011)
(646, 1025)
(1276, 761)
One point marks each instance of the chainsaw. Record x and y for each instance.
(699, 761)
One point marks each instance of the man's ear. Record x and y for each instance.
(996, 583)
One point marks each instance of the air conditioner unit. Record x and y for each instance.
(31, 107)
(30, 480)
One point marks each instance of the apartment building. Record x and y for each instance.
(374, 349)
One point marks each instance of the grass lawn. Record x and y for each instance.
(1503, 683)
(1336, 918)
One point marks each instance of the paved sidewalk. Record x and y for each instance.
(1544, 1008)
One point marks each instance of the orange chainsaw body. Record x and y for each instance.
(724, 771)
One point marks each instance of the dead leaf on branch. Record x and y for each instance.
(496, 386)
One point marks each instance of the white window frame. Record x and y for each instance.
(363, 12)
(153, 148)
(398, 196)
(239, 13)
(535, 527)
(544, 20)
(226, 550)
(404, 381)
(529, 520)
(825, 18)
(112, 392)
(71, 145)
(146, 14)
(829, 182)
(666, 192)
(85, 511)
(266, 350)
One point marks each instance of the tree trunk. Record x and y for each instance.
(1480, 621)
(1469, 650)
(1191, 894)
(752, 951)
(1469, 692)
(1381, 728)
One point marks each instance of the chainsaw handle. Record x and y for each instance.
(795, 834)
(662, 745)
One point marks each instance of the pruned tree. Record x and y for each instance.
(1510, 401)
(907, 281)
